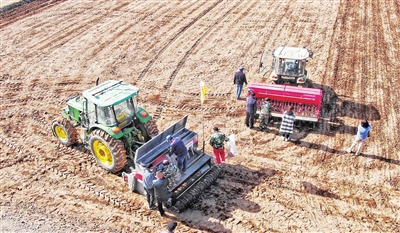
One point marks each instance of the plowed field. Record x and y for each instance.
(51, 50)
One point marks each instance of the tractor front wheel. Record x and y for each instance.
(109, 153)
(308, 83)
(64, 132)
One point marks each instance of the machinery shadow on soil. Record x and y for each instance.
(232, 191)
(325, 148)
(333, 107)
(392, 161)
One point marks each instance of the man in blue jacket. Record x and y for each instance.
(179, 149)
(362, 135)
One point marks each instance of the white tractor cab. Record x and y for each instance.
(289, 65)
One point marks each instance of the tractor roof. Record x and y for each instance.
(110, 93)
(295, 53)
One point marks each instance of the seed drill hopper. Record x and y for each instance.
(306, 101)
(201, 171)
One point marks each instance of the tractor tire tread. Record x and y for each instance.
(116, 148)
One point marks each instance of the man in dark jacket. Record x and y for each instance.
(251, 109)
(239, 79)
(179, 149)
(162, 194)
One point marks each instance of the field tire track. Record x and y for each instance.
(144, 72)
(16, 12)
(49, 44)
(159, 110)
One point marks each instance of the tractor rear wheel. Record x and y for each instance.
(152, 128)
(108, 152)
(144, 134)
(64, 132)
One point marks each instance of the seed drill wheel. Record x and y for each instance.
(190, 196)
(109, 153)
(152, 128)
(64, 132)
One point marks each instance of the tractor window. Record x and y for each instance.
(135, 103)
(105, 116)
(91, 112)
(280, 68)
(291, 67)
(302, 65)
(124, 111)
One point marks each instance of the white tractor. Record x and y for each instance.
(288, 65)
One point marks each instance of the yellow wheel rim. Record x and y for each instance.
(61, 134)
(102, 153)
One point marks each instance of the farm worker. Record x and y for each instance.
(217, 142)
(161, 191)
(177, 147)
(287, 124)
(171, 173)
(239, 79)
(170, 227)
(265, 114)
(251, 109)
(362, 134)
(148, 178)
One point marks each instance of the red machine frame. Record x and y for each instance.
(306, 101)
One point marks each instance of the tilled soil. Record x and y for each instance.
(51, 50)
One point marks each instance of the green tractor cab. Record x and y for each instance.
(112, 124)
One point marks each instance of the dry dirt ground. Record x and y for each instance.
(51, 50)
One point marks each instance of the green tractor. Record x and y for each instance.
(112, 124)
